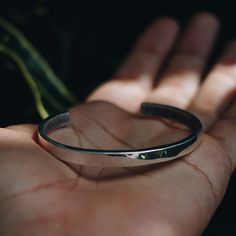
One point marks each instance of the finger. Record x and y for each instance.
(224, 130)
(135, 78)
(218, 89)
(27, 130)
(24, 165)
(180, 81)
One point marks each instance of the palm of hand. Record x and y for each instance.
(42, 196)
(47, 194)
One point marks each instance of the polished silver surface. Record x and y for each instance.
(122, 158)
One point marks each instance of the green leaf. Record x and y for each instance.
(50, 94)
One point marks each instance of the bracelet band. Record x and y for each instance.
(122, 158)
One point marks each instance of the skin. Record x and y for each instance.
(40, 195)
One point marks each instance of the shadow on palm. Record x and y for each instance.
(104, 126)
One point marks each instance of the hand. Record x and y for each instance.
(40, 195)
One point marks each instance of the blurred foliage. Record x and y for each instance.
(50, 94)
(38, 23)
(32, 18)
(73, 42)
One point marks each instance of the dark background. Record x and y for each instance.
(85, 42)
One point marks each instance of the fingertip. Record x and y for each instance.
(167, 23)
(159, 36)
(205, 17)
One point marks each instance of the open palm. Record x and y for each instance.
(40, 195)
